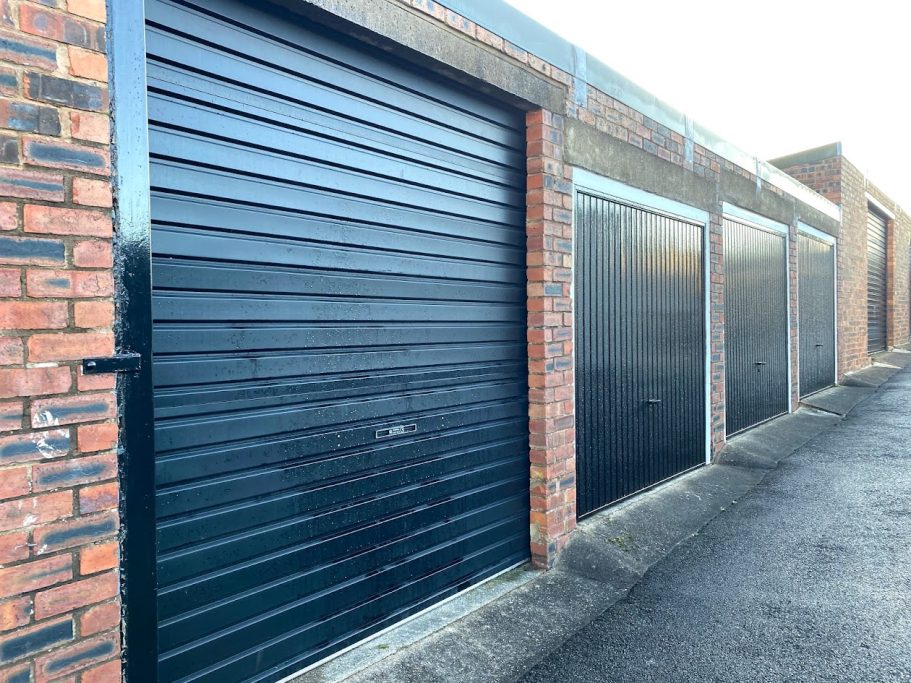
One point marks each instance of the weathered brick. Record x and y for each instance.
(31, 184)
(73, 532)
(34, 381)
(88, 126)
(60, 221)
(20, 49)
(14, 482)
(9, 149)
(67, 155)
(25, 512)
(73, 346)
(97, 558)
(9, 216)
(33, 315)
(88, 64)
(31, 576)
(11, 349)
(66, 92)
(9, 81)
(20, 673)
(93, 254)
(97, 437)
(68, 283)
(84, 470)
(99, 618)
(61, 27)
(32, 251)
(10, 282)
(89, 192)
(11, 413)
(36, 639)
(34, 446)
(106, 673)
(94, 382)
(14, 547)
(29, 118)
(83, 654)
(15, 613)
(90, 9)
(6, 14)
(94, 314)
(99, 497)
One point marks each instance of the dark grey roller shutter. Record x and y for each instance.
(876, 282)
(816, 301)
(640, 349)
(756, 325)
(340, 362)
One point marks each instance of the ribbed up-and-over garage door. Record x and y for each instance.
(756, 324)
(340, 360)
(640, 348)
(877, 298)
(816, 303)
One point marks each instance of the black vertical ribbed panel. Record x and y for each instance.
(339, 339)
(816, 301)
(876, 282)
(640, 349)
(756, 325)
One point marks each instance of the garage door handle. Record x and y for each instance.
(761, 362)
(653, 401)
(818, 345)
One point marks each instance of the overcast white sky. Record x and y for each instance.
(772, 77)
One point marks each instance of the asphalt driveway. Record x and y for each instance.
(806, 578)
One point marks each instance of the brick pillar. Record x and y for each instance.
(59, 526)
(892, 337)
(794, 313)
(716, 332)
(550, 339)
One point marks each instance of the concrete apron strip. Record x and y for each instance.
(501, 629)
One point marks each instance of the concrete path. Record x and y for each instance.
(806, 578)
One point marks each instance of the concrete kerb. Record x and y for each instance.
(857, 386)
(501, 634)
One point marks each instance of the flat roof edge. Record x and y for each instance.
(808, 156)
(510, 23)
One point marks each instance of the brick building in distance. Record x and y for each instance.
(874, 251)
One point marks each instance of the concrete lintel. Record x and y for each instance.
(599, 152)
(394, 27)
(589, 148)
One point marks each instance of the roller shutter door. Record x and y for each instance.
(640, 349)
(756, 325)
(339, 325)
(816, 294)
(876, 282)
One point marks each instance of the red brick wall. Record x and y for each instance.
(900, 295)
(852, 272)
(551, 393)
(59, 585)
(716, 311)
(794, 314)
(842, 182)
(823, 176)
